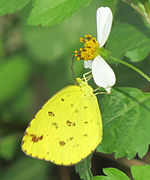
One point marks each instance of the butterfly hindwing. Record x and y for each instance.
(67, 128)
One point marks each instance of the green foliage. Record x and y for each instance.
(60, 40)
(112, 174)
(48, 12)
(84, 168)
(14, 74)
(8, 146)
(139, 53)
(26, 169)
(128, 38)
(123, 135)
(42, 68)
(135, 46)
(12, 6)
(138, 173)
(44, 12)
(141, 172)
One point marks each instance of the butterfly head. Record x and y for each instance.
(80, 82)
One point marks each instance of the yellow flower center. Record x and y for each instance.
(91, 49)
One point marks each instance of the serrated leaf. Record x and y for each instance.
(12, 6)
(14, 74)
(50, 12)
(138, 173)
(84, 168)
(141, 172)
(126, 128)
(112, 174)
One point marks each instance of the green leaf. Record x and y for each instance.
(139, 53)
(112, 174)
(138, 173)
(11, 6)
(130, 42)
(14, 74)
(61, 40)
(141, 172)
(50, 12)
(126, 128)
(8, 145)
(129, 36)
(84, 168)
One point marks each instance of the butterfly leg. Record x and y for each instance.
(96, 89)
(100, 93)
(88, 77)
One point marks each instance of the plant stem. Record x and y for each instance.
(136, 7)
(132, 67)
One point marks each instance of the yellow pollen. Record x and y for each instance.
(90, 50)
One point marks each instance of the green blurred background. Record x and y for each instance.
(35, 64)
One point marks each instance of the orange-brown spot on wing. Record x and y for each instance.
(62, 99)
(85, 107)
(85, 122)
(35, 138)
(71, 105)
(55, 124)
(50, 113)
(62, 143)
(76, 145)
(69, 123)
(71, 138)
(76, 111)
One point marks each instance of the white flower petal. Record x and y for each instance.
(103, 75)
(88, 64)
(104, 22)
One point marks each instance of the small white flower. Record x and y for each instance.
(103, 75)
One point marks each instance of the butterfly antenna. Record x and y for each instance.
(72, 61)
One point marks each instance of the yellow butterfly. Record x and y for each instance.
(67, 128)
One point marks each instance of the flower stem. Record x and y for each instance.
(132, 67)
